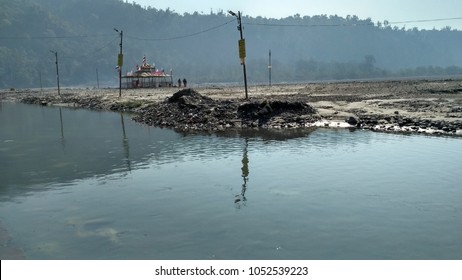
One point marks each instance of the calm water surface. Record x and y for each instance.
(78, 184)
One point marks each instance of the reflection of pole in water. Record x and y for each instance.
(61, 120)
(63, 143)
(240, 199)
(125, 144)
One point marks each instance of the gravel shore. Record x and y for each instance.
(413, 106)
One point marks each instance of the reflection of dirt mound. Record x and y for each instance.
(189, 110)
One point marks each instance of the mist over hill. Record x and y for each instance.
(203, 47)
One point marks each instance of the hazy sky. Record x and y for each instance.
(377, 10)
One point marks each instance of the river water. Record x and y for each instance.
(78, 184)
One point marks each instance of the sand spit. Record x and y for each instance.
(416, 106)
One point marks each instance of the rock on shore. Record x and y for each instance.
(405, 124)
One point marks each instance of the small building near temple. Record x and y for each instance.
(147, 76)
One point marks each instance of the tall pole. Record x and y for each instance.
(57, 70)
(120, 60)
(241, 48)
(243, 60)
(270, 66)
(97, 78)
(41, 86)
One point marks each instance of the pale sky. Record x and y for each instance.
(377, 10)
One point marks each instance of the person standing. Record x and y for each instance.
(185, 82)
(179, 83)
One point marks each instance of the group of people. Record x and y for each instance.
(184, 83)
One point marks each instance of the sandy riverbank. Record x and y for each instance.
(420, 106)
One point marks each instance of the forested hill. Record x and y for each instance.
(203, 47)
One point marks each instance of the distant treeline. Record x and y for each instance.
(203, 47)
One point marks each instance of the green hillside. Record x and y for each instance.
(203, 47)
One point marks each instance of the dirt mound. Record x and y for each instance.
(187, 96)
(273, 108)
(189, 110)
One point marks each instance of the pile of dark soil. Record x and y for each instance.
(189, 110)
(94, 102)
